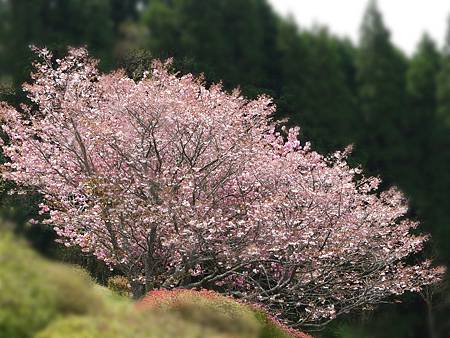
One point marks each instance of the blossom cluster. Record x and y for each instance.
(179, 184)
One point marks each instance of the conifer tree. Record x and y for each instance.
(316, 87)
(56, 24)
(228, 40)
(441, 163)
(381, 72)
(429, 136)
(444, 80)
(421, 92)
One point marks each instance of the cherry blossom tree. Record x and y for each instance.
(179, 185)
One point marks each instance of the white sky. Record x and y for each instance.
(406, 19)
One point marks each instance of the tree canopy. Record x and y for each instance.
(178, 185)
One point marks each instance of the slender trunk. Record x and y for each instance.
(150, 265)
(430, 320)
(137, 290)
(149, 274)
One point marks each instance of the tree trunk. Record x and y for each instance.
(430, 319)
(150, 282)
(137, 290)
(150, 264)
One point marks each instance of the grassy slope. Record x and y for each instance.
(48, 300)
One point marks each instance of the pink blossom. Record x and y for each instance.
(177, 184)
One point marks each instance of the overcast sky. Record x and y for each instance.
(406, 19)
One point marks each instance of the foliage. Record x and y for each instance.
(53, 23)
(443, 88)
(74, 256)
(168, 323)
(129, 327)
(296, 66)
(61, 301)
(222, 38)
(381, 94)
(119, 285)
(315, 92)
(209, 308)
(204, 308)
(33, 292)
(347, 331)
(179, 185)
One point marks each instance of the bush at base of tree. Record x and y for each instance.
(42, 299)
(119, 285)
(222, 312)
(180, 313)
(34, 292)
(127, 326)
